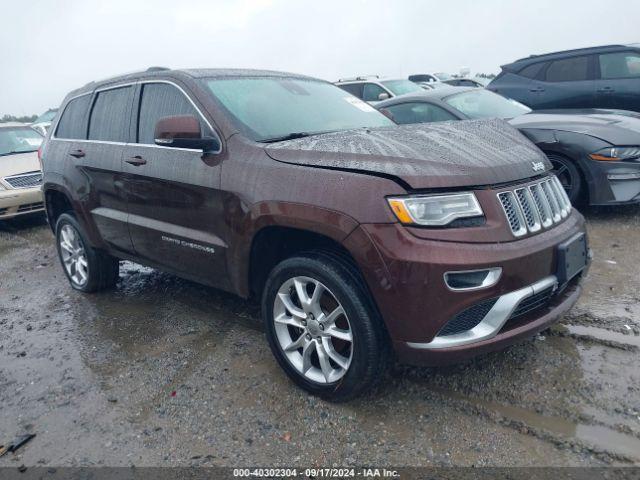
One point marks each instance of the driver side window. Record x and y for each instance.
(371, 92)
(161, 100)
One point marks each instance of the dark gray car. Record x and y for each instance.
(596, 77)
(595, 152)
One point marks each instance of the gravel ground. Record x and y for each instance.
(165, 372)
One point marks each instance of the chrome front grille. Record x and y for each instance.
(536, 206)
(24, 180)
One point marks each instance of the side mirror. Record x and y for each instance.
(383, 96)
(183, 131)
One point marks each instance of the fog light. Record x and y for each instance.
(623, 176)
(472, 279)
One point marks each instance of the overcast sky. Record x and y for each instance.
(51, 47)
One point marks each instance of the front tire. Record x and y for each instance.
(87, 269)
(322, 326)
(569, 176)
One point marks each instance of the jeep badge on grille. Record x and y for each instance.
(537, 166)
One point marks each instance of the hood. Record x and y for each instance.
(617, 127)
(19, 163)
(435, 155)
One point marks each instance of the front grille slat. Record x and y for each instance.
(535, 207)
(533, 302)
(26, 180)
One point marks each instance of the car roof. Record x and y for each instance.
(369, 80)
(155, 72)
(566, 53)
(436, 94)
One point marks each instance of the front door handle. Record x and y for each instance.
(77, 153)
(606, 90)
(136, 161)
(536, 90)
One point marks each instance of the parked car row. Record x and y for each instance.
(364, 240)
(595, 153)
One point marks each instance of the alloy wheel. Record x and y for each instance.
(312, 330)
(563, 173)
(73, 255)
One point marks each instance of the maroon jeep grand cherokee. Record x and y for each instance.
(362, 239)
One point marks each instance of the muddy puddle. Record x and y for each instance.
(601, 437)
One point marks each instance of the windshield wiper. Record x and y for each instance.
(288, 136)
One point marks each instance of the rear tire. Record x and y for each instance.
(569, 176)
(86, 268)
(331, 342)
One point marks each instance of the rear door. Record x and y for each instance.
(174, 199)
(564, 83)
(99, 160)
(618, 83)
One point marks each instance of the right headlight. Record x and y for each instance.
(435, 210)
(614, 154)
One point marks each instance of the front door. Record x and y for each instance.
(619, 84)
(174, 199)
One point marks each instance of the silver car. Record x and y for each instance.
(20, 172)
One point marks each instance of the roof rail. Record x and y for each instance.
(575, 50)
(361, 77)
(150, 69)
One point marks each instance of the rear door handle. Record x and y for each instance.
(77, 153)
(136, 161)
(605, 90)
(536, 89)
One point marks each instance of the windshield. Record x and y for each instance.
(46, 116)
(270, 108)
(19, 140)
(442, 76)
(400, 87)
(485, 104)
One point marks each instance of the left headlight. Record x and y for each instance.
(613, 154)
(435, 210)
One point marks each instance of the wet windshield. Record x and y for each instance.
(271, 109)
(485, 104)
(46, 116)
(19, 140)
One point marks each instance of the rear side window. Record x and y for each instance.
(71, 124)
(109, 116)
(531, 71)
(568, 70)
(353, 89)
(619, 65)
(419, 112)
(160, 100)
(371, 92)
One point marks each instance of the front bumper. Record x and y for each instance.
(614, 183)
(20, 201)
(509, 334)
(405, 276)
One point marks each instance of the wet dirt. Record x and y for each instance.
(162, 371)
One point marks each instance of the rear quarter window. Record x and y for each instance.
(72, 121)
(109, 119)
(531, 71)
